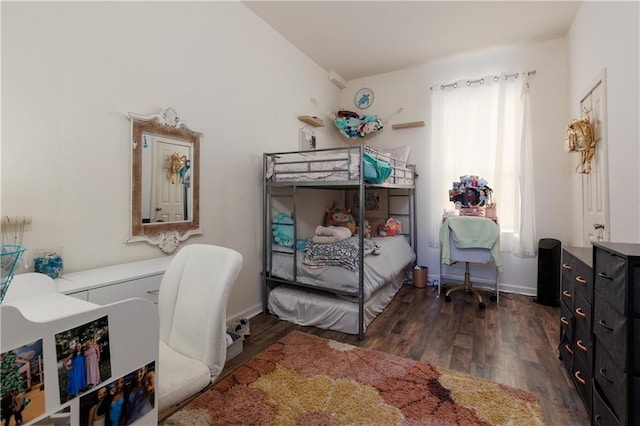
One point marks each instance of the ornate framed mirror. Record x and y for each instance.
(165, 180)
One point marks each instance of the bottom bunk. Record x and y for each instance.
(334, 303)
(329, 311)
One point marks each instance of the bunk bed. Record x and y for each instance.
(343, 298)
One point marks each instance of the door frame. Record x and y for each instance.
(601, 153)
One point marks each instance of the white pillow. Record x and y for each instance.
(399, 152)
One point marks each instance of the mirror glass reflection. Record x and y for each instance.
(166, 179)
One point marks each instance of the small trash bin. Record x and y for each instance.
(420, 277)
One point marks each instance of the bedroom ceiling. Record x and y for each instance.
(361, 38)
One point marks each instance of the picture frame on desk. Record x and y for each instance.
(83, 358)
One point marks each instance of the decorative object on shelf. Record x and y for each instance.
(306, 139)
(581, 138)
(9, 256)
(363, 98)
(471, 191)
(48, 262)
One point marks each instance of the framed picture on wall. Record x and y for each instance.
(363, 98)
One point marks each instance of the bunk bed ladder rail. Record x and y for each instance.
(361, 196)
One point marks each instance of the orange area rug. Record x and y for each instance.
(307, 380)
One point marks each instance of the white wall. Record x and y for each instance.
(70, 72)
(409, 89)
(606, 36)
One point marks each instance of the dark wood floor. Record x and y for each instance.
(513, 343)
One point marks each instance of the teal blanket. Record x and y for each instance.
(375, 170)
(471, 232)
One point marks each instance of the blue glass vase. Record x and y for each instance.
(49, 265)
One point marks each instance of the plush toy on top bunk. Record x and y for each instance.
(352, 126)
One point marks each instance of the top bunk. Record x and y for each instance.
(340, 167)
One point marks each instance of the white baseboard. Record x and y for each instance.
(247, 313)
(485, 282)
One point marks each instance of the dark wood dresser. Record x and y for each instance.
(616, 329)
(576, 318)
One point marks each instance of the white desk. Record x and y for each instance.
(34, 311)
(118, 282)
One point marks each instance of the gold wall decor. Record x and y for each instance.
(581, 138)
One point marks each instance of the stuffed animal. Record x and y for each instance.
(340, 217)
(367, 229)
(391, 227)
(282, 228)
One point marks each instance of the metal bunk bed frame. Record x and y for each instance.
(351, 184)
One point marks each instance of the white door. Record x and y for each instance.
(167, 195)
(595, 186)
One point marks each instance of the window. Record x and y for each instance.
(481, 128)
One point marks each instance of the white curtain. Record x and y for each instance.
(484, 129)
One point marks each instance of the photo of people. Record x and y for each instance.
(22, 384)
(124, 401)
(83, 358)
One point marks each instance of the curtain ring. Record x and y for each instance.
(455, 85)
(496, 78)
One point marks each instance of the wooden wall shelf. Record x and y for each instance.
(311, 121)
(408, 125)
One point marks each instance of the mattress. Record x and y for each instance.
(307, 307)
(332, 166)
(395, 255)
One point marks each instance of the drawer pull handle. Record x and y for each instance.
(581, 280)
(154, 292)
(565, 293)
(603, 373)
(597, 419)
(605, 276)
(580, 313)
(603, 324)
(565, 266)
(568, 349)
(581, 346)
(578, 378)
(564, 321)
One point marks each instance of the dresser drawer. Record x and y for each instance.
(565, 348)
(582, 311)
(583, 347)
(610, 329)
(611, 380)
(601, 413)
(567, 322)
(610, 278)
(582, 379)
(144, 288)
(583, 280)
(568, 264)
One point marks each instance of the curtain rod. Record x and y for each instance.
(481, 80)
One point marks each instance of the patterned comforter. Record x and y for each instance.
(344, 253)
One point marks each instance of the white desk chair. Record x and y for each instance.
(470, 240)
(192, 307)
